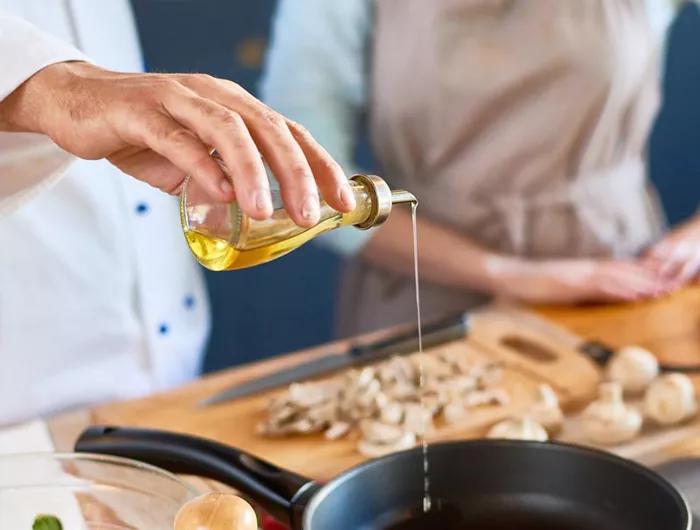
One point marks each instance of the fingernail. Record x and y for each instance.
(226, 187)
(310, 208)
(346, 196)
(262, 201)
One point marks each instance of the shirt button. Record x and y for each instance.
(141, 208)
(189, 302)
(163, 329)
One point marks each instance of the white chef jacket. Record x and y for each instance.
(100, 298)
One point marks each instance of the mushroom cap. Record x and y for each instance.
(524, 428)
(611, 424)
(216, 511)
(671, 399)
(634, 368)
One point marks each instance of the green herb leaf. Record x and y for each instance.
(47, 522)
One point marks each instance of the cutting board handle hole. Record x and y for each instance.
(529, 349)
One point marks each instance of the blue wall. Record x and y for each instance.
(675, 142)
(288, 304)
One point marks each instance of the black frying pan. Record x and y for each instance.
(475, 485)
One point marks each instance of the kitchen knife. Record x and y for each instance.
(602, 354)
(434, 334)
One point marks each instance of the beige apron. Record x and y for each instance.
(520, 123)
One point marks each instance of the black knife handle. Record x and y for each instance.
(435, 333)
(598, 352)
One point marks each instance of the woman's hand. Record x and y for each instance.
(677, 256)
(575, 281)
(160, 128)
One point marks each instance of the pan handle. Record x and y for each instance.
(274, 489)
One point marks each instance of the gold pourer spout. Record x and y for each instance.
(383, 198)
(403, 197)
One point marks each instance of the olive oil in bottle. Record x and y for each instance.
(223, 238)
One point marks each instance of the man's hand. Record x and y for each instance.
(677, 255)
(160, 128)
(575, 281)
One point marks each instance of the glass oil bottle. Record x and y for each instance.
(223, 238)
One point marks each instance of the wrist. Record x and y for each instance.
(502, 270)
(33, 105)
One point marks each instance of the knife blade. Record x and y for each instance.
(434, 334)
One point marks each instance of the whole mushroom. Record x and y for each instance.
(546, 410)
(610, 421)
(523, 428)
(634, 368)
(671, 400)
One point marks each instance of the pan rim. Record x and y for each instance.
(571, 448)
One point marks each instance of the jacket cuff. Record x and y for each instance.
(25, 50)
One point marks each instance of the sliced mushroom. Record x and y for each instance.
(463, 384)
(382, 433)
(417, 419)
(455, 412)
(398, 369)
(308, 395)
(338, 430)
(487, 374)
(480, 398)
(286, 413)
(403, 391)
(392, 413)
(546, 410)
(375, 450)
(457, 360)
(388, 394)
(367, 376)
(324, 414)
(368, 393)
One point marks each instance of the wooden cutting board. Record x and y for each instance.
(549, 356)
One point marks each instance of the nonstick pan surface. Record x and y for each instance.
(475, 485)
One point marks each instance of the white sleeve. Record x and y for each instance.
(29, 163)
(661, 14)
(315, 74)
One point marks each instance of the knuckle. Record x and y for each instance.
(172, 187)
(230, 119)
(298, 129)
(193, 81)
(231, 85)
(201, 163)
(250, 169)
(176, 135)
(205, 79)
(149, 129)
(328, 166)
(300, 172)
(167, 83)
(274, 120)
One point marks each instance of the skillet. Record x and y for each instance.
(474, 485)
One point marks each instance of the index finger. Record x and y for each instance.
(274, 141)
(329, 175)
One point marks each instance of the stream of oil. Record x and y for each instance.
(427, 502)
